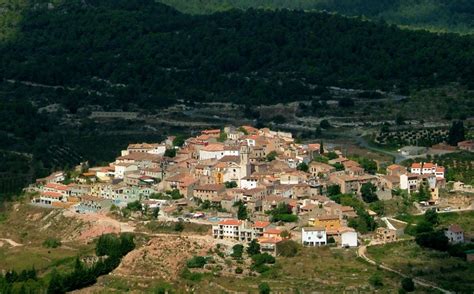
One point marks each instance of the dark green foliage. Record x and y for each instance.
(408, 285)
(324, 124)
(111, 245)
(271, 156)
(241, 211)
(459, 250)
(288, 248)
(179, 227)
(331, 240)
(376, 280)
(303, 167)
(52, 243)
(346, 102)
(56, 285)
(368, 192)
(134, 206)
(332, 155)
(237, 251)
(170, 153)
(230, 185)
(445, 15)
(338, 166)
(456, 133)
(334, 190)
(196, 262)
(367, 164)
(156, 212)
(282, 213)
(378, 207)
(239, 270)
(253, 248)
(424, 227)
(434, 240)
(178, 141)
(264, 288)
(260, 262)
(431, 216)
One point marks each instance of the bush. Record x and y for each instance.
(408, 285)
(434, 240)
(239, 270)
(196, 262)
(51, 243)
(237, 251)
(179, 227)
(264, 288)
(376, 280)
(287, 248)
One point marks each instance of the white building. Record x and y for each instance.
(455, 234)
(409, 182)
(349, 238)
(248, 183)
(217, 151)
(122, 168)
(239, 230)
(313, 236)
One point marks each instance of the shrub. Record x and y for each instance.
(51, 243)
(239, 270)
(288, 248)
(264, 288)
(408, 285)
(376, 280)
(196, 262)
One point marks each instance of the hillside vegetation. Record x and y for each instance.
(151, 55)
(436, 15)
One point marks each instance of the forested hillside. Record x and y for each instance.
(436, 15)
(150, 54)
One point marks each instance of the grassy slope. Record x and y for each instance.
(464, 219)
(427, 14)
(448, 272)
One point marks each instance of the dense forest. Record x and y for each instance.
(436, 15)
(150, 54)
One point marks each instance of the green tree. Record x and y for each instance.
(367, 191)
(179, 227)
(303, 167)
(237, 251)
(333, 190)
(324, 124)
(230, 185)
(170, 153)
(288, 248)
(178, 141)
(408, 285)
(156, 212)
(431, 216)
(264, 288)
(253, 248)
(56, 285)
(376, 280)
(271, 156)
(241, 211)
(456, 133)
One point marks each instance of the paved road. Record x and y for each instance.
(362, 251)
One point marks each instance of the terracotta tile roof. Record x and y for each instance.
(416, 165)
(55, 186)
(214, 147)
(428, 165)
(230, 222)
(272, 231)
(52, 194)
(455, 228)
(261, 224)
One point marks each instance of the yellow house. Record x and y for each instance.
(330, 222)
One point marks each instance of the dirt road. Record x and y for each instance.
(362, 252)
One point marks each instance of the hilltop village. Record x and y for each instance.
(248, 184)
